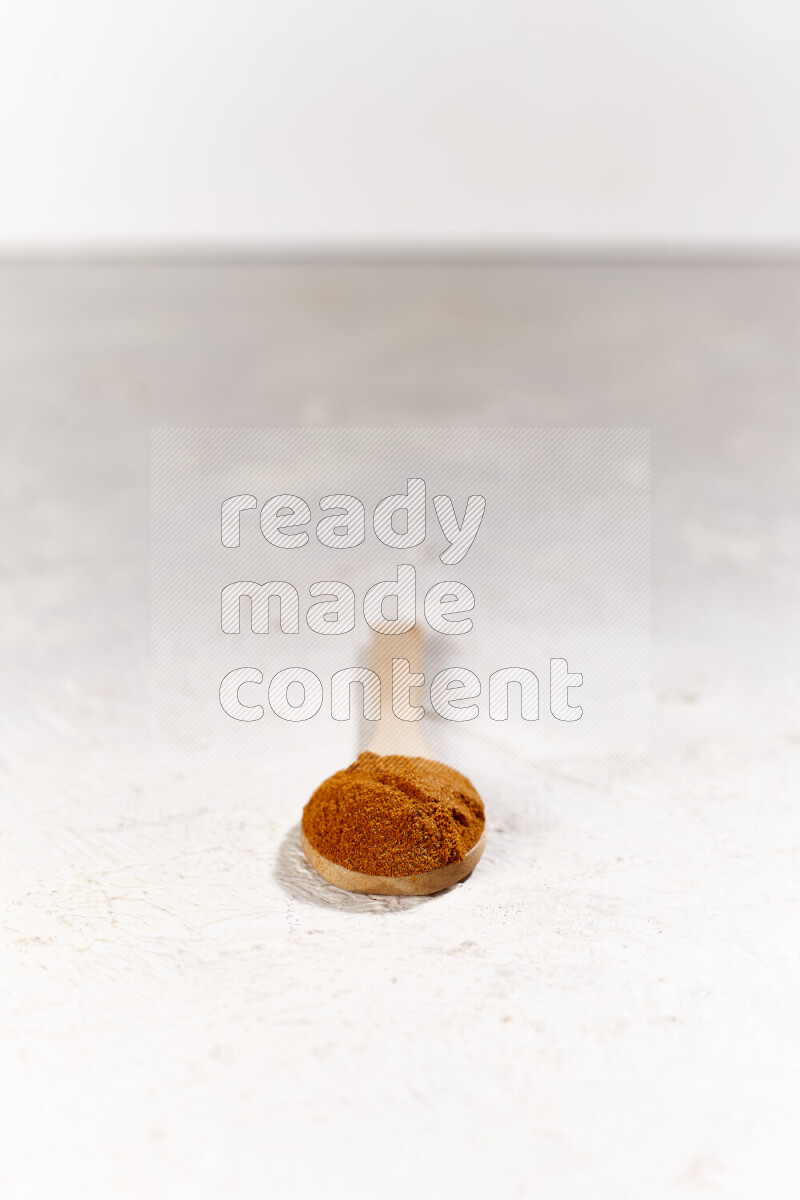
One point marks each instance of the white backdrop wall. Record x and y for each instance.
(304, 123)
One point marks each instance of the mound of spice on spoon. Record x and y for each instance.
(394, 815)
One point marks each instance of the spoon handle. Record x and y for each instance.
(393, 735)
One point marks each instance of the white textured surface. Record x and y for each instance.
(607, 1007)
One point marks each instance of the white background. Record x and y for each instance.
(607, 1008)
(178, 123)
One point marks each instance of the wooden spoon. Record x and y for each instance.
(395, 736)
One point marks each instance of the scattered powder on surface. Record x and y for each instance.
(391, 815)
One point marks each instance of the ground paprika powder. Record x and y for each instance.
(393, 815)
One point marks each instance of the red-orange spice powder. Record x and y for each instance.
(391, 815)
